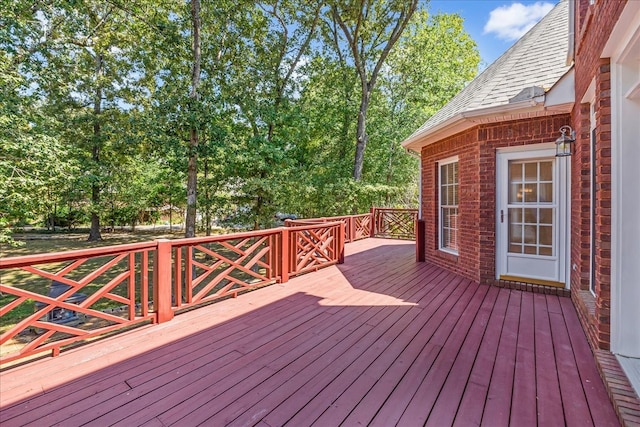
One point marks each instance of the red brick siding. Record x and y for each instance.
(476, 150)
(594, 25)
(464, 145)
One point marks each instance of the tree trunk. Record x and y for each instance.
(192, 183)
(192, 168)
(207, 208)
(362, 137)
(94, 232)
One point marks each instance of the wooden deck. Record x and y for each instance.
(380, 340)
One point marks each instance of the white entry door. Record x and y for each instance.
(531, 195)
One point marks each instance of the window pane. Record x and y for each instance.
(530, 235)
(530, 193)
(515, 234)
(515, 249)
(515, 172)
(443, 196)
(546, 235)
(515, 215)
(530, 215)
(546, 216)
(546, 193)
(515, 193)
(444, 178)
(546, 171)
(546, 251)
(530, 172)
(532, 250)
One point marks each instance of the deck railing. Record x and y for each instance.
(113, 282)
(125, 285)
(380, 222)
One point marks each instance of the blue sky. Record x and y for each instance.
(495, 24)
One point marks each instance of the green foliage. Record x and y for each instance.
(95, 112)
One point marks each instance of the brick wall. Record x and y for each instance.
(476, 150)
(465, 146)
(594, 23)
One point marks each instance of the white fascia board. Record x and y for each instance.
(559, 99)
(465, 120)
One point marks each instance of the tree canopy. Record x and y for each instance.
(112, 111)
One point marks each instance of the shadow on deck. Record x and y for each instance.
(379, 340)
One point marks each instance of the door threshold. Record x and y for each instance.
(532, 281)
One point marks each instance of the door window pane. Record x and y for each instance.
(546, 216)
(531, 218)
(531, 215)
(546, 171)
(530, 172)
(546, 193)
(530, 193)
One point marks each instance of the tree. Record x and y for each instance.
(370, 28)
(263, 82)
(431, 62)
(192, 170)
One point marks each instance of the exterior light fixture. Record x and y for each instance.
(564, 143)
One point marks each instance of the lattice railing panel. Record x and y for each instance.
(221, 268)
(314, 248)
(53, 300)
(396, 223)
(361, 226)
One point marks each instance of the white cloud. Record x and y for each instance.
(512, 22)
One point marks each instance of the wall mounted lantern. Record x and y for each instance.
(565, 142)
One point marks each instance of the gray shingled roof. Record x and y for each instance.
(537, 59)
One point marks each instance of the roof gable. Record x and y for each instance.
(534, 63)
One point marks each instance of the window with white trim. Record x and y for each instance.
(448, 201)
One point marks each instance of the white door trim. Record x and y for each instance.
(563, 235)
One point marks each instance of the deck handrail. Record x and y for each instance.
(149, 282)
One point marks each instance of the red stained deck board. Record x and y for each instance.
(375, 397)
(523, 401)
(384, 352)
(392, 410)
(601, 411)
(423, 400)
(345, 334)
(159, 394)
(249, 414)
(497, 408)
(475, 394)
(576, 408)
(290, 393)
(318, 379)
(323, 352)
(448, 401)
(550, 409)
(200, 400)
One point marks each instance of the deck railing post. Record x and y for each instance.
(341, 236)
(162, 281)
(372, 228)
(420, 240)
(352, 229)
(283, 254)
